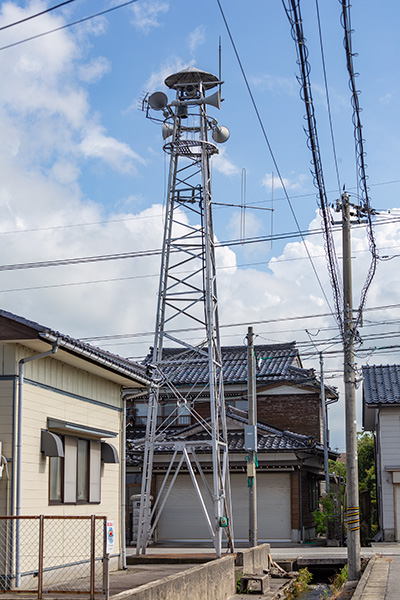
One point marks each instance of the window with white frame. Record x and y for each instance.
(75, 477)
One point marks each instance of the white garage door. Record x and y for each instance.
(183, 520)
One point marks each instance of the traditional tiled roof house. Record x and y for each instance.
(381, 414)
(290, 452)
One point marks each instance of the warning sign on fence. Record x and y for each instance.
(110, 537)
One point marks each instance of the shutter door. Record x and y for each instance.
(182, 518)
(397, 509)
(273, 507)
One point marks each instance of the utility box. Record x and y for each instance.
(135, 515)
(250, 437)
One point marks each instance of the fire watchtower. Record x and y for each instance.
(187, 311)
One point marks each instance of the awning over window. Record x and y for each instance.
(109, 453)
(51, 444)
(68, 428)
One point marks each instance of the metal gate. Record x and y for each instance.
(54, 556)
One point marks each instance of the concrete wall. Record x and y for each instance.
(254, 560)
(213, 581)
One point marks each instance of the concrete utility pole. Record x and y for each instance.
(251, 439)
(353, 509)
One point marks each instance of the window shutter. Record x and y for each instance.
(94, 474)
(70, 458)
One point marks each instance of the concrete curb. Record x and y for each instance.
(364, 579)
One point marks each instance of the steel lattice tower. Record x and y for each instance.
(188, 301)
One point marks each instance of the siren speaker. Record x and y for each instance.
(167, 130)
(213, 100)
(182, 111)
(158, 100)
(220, 134)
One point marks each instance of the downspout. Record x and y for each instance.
(14, 416)
(301, 508)
(123, 483)
(19, 449)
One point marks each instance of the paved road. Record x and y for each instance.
(381, 579)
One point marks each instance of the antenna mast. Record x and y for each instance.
(187, 298)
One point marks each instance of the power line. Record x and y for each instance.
(360, 158)
(154, 275)
(293, 14)
(328, 102)
(260, 121)
(160, 215)
(83, 20)
(240, 324)
(39, 14)
(156, 252)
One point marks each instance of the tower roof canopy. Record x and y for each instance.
(189, 76)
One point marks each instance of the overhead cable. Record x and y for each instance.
(39, 14)
(260, 121)
(240, 324)
(83, 20)
(360, 156)
(293, 13)
(156, 252)
(328, 102)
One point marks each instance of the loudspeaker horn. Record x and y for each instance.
(213, 100)
(167, 130)
(220, 134)
(158, 100)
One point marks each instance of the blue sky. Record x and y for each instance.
(83, 172)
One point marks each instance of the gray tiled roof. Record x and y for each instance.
(269, 439)
(381, 384)
(92, 353)
(274, 362)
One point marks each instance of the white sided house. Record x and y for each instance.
(62, 442)
(381, 414)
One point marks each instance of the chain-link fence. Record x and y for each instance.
(54, 556)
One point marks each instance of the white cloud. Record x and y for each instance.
(116, 154)
(146, 15)
(157, 78)
(223, 164)
(386, 99)
(244, 222)
(95, 70)
(196, 38)
(276, 84)
(294, 183)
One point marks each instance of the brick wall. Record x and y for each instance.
(300, 413)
